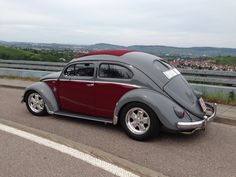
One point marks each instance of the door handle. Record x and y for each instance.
(90, 85)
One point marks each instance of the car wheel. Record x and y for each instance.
(35, 103)
(139, 121)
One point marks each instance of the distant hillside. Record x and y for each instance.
(103, 46)
(159, 50)
(56, 55)
(31, 54)
(171, 51)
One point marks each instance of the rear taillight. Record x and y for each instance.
(179, 112)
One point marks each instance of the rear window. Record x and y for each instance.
(168, 70)
(162, 65)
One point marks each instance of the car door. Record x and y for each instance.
(76, 88)
(113, 81)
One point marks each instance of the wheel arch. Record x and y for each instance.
(160, 104)
(44, 90)
(135, 96)
(126, 104)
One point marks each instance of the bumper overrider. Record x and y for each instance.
(184, 126)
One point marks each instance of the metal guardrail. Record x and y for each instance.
(211, 80)
(210, 76)
(200, 76)
(31, 67)
(42, 63)
(207, 72)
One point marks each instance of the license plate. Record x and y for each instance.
(203, 105)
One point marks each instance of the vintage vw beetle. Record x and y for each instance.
(139, 90)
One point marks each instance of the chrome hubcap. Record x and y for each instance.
(35, 102)
(137, 121)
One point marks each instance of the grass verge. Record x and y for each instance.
(20, 78)
(229, 99)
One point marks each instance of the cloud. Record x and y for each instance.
(125, 22)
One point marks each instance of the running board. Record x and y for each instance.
(80, 116)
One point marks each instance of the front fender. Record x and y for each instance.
(159, 103)
(44, 90)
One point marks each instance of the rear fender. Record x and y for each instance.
(44, 90)
(160, 104)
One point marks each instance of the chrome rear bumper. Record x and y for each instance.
(199, 124)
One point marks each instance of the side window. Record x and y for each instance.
(114, 71)
(80, 70)
(70, 71)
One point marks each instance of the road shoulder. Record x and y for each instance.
(117, 161)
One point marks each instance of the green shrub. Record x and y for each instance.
(231, 96)
(32, 54)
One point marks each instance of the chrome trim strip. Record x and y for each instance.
(49, 112)
(48, 80)
(115, 115)
(102, 82)
(76, 80)
(213, 116)
(198, 124)
(115, 120)
(98, 119)
(191, 125)
(118, 83)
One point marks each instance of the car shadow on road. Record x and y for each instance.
(95, 124)
(117, 129)
(180, 136)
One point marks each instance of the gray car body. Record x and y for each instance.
(155, 89)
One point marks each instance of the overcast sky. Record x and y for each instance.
(183, 23)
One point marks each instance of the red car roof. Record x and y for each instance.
(107, 52)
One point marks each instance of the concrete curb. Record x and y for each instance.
(225, 120)
(123, 163)
(12, 86)
(219, 119)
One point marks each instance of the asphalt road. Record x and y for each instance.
(205, 153)
(20, 157)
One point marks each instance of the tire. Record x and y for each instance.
(139, 121)
(35, 103)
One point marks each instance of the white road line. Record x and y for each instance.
(118, 171)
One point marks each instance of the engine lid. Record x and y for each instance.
(180, 90)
